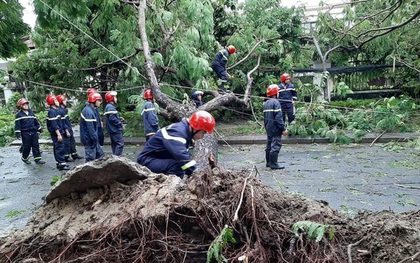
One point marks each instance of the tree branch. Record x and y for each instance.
(136, 51)
(250, 80)
(370, 16)
(389, 28)
(251, 51)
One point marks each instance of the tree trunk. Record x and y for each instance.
(205, 151)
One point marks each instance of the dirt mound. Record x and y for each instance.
(160, 219)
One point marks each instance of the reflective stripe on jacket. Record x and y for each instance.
(112, 119)
(26, 121)
(273, 117)
(171, 142)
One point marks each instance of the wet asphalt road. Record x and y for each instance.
(349, 178)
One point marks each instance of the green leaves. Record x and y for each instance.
(313, 230)
(12, 29)
(215, 249)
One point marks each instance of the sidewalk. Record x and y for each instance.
(259, 139)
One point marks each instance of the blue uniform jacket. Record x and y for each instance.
(171, 142)
(26, 122)
(149, 116)
(65, 119)
(273, 118)
(54, 121)
(89, 126)
(287, 94)
(221, 58)
(112, 119)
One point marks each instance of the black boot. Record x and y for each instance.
(76, 156)
(68, 159)
(274, 165)
(267, 159)
(63, 166)
(26, 161)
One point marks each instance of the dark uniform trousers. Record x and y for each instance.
(30, 140)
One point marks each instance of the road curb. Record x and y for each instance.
(262, 139)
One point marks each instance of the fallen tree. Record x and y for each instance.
(134, 215)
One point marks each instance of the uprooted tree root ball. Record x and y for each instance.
(160, 219)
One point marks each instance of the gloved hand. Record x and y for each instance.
(40, 130)
(17, 134)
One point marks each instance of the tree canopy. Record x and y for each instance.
(12, 29)
(98, 43)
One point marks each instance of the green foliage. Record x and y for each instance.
(11, 103)
(313, 230)
(12, 29)
(14, 213)
(361, 34)
(316, 119)
(7, 121)
(215, 249)
(341, 90)
(54, 179)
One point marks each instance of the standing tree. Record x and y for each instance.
(374, 32)
(12, 29)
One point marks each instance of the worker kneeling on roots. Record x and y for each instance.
(167, 150)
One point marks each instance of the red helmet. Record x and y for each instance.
(147, 94)
(22, 101)
(60, 98)
(231, 49)
(272, 89)
(94, 97)
(90, 90)
(202, 120)
(284, 77)
(110, 95)
(50, 99)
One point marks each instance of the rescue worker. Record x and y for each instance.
(196, 96)
(89, 127)
(219, 66)
(27, 128)
(167, 151)
(56, 128)
(101, 135)
(274, 127)
(287, 97)
(71, 150)
(149, 116)
(113, 123)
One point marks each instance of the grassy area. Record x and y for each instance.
(239, 127)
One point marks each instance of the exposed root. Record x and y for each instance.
(157, 221)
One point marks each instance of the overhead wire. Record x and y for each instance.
(136, 70)
(142, 87)
(94, 40)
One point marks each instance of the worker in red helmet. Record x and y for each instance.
(101, 135)
(89, 128)
(27, 128)
(70, 143)
(274, 127)
(56, 128)
(167, 151)
(149, 115)
(219, 66)
(113, 123)
(287, 97)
